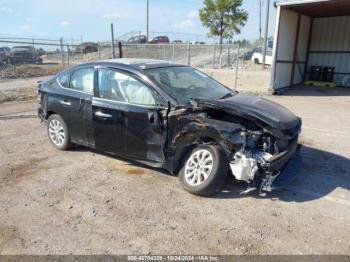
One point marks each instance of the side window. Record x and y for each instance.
(121, 87)
(108, 85)
(83, 80)
(63, 79)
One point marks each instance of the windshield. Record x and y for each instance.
(185, 83)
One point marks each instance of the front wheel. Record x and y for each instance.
(58, 133)
(204, 170)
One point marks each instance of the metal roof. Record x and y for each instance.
(318, 8)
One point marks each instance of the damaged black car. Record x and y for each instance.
(174, 117)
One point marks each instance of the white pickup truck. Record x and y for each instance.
(258, 57)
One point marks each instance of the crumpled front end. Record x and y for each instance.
(266, 162)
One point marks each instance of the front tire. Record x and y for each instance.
(204, 170)
(58, 133)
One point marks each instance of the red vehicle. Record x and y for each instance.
(160, 40)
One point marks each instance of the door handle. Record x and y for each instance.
(100, 114)
(66, 103)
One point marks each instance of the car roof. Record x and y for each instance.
(134, 63)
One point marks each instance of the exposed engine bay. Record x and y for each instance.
(250, 163)
(261, 147)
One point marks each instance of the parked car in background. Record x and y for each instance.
(177, 42)
(175, 117)
(41, 51)
(160, 40)
(248, 54)
(5, 52)
(257, 58)
(88, 47)
(24, 54)
(140, 39)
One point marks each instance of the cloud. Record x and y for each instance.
(113, 16)
(192, 14)
(185, 24)
(26, 27)
(29, 20)
(5, 9)
(65, 23)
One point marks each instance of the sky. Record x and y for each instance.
(90, 19)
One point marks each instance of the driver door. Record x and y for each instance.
(127, 117)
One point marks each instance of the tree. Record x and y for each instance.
(224, 18)
(243, 43)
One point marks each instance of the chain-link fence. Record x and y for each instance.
(202, 56)
(21, 58)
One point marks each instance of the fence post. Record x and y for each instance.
(220, 56)
(120, 50)
(112, 36)
(67, 56)
(62, 57)
(173, 52)
(214, 57)
(188, 53)
(237, 63)
(99, 50)
(228, 55)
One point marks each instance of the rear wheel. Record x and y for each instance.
(204, 170)
(58, 133)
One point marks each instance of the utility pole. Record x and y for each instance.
(112, 34)
(260, 7)
(147, 25)
(62, 55)
(267, 11)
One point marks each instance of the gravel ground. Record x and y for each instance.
(86, 202)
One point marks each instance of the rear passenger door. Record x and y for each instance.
(74, 103)
(82, 82)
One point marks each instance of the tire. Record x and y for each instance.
(256, 61)
(58, 133)
(214, 180)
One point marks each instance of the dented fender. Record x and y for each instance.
(188, 128)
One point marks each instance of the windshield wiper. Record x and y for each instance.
(226, 96)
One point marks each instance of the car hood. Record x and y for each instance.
(255, 108)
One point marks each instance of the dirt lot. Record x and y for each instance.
(85, 202)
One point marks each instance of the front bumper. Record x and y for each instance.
(282, 169)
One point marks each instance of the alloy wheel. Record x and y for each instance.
(56, 132)
(198, 167)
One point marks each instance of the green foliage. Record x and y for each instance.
(224, 18)
(243, 43)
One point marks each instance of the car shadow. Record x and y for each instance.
(321, 172)
(134, 163)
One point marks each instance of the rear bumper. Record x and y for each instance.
(41, 114)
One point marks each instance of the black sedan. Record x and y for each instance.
(174, 117)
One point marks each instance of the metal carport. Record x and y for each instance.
(310, 33)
